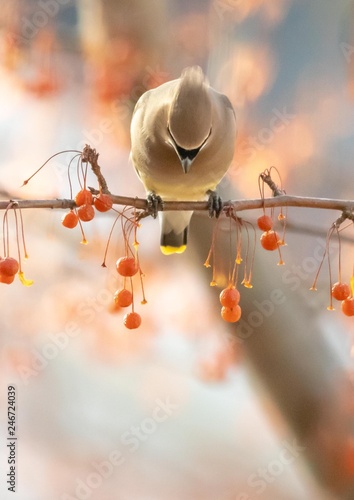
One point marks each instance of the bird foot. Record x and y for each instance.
(215, 204)
(153, 201)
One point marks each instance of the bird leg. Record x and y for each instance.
(153, 201)
(215, 204)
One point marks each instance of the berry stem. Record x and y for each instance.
(132, 290)
(231, 265)
(23, 235)
(45, 163)
(84, 240)
(79, 171)
(5, 229)
(69, 176)
(339, 257)
(109, 240)
(18, 242)
(248, 275)
(330, 307)
(329, 234)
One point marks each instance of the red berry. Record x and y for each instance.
(348, 306)
(265, 223)
(229, 297)
(70, 220)
(103, 202)
(7, 279)
(127, 266)
(8, 266)
(84, 197)
(132, 320)
(340, 291)
(123, 298)
(86, 213)
(269, 240)
(231, 314)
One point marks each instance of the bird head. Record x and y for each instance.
(190, 116)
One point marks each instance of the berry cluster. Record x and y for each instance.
(270, 239)
(230, 296)
(345, 294)
(340, 290)
(85, 203)
(127, 267)
(229, 300)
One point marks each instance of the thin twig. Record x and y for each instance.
(266, 177)
(90, 155)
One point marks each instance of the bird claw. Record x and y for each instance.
(153, 201)
(215, 204)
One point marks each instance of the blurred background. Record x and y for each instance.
(186, 407)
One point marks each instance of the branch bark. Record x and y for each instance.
(238, 205)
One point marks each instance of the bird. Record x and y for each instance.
(182, 144)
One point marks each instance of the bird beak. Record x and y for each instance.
(186, 161)
(186, 164)
(186, 157)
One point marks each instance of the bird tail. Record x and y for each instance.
(174, 231)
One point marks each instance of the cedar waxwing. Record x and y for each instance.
(182, 143)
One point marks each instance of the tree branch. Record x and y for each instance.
(237, 205)
(279, 199)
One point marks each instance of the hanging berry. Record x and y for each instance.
(86, 212)
(265, 223)
(123, 297)
(348, 306)
(231, 314)
(7, 279)
(127, 266)
(340, 291)
(103, 202)
(132, 320)
(84, 197)
(270, 240)
(229, 297)
(70, 220)
(9, 266)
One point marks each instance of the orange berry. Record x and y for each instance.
(265, 223)
(8, 266)
(86, 213)
(123, 298)
(229, 297)
(269, 240)
(70, 220)
(132, 320)
(84, 197)
(340, 291)
(7, 279)
(231, 314)
(103, 202)
(348, 306)
(127, 266)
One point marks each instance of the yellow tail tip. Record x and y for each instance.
(168, 250)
